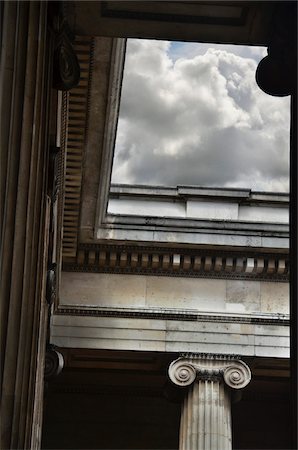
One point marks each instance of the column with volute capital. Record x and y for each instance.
(206, 410)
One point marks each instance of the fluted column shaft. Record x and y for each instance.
(206, 417)
(206, 409)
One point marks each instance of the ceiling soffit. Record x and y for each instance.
(226, 22)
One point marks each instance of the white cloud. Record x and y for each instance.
(199, 119)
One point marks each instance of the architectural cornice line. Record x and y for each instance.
(177, 262)
(270, 319)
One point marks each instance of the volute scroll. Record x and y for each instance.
(182, 373)
(237, 375)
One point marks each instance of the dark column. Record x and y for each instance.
(277, 75)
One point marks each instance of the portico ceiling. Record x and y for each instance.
(246, 23)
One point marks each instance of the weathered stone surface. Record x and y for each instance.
(275, 297)
(245, 293)
(184, 294)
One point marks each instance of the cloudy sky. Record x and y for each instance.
(192, 114)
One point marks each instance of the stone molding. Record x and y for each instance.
(174, 262)
(190, 316)
(181, 191)
(234, 372)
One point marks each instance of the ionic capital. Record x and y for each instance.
(54, 363)
(234, 372)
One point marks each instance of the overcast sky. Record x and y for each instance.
(192, 114)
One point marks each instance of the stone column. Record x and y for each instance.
(34, 42)
(25, 96)
(206, 409)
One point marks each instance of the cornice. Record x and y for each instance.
(243, 195)
(175, 262)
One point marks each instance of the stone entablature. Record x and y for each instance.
(178, 284)
(71, 330)
(152, 313)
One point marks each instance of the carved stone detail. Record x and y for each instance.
(66, 74)
(235, 373)
(182, 373)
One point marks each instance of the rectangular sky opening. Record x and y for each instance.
(192, 114)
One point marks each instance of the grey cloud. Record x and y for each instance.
(200, 121)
